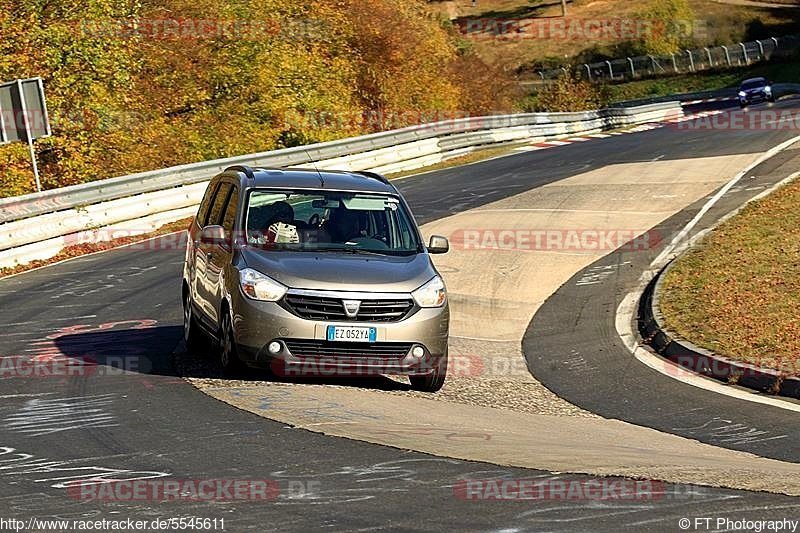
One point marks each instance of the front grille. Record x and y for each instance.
(325, 308)
(319, 348)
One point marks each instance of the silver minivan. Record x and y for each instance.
(321, 273)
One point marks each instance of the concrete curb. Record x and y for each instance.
(628, 310)
(702, 361)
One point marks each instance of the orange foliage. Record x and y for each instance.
(134, 85)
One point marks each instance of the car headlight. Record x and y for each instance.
(432, 294)
(742, 94)
(767, 89)
(260, 287)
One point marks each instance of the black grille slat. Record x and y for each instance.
(322, 308)
(384, 303)
(318, 348)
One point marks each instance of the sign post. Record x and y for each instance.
(23, 116)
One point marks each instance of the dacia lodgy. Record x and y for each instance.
(314, 272)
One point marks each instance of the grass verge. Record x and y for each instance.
(738, 293)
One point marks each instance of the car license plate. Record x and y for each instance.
(351, 334)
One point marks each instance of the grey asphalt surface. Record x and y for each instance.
(124, 306)
(575, 329)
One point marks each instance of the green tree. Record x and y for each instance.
(669, 24)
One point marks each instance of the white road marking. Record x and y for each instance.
(65, 473)
(630, 303)
(53, 415)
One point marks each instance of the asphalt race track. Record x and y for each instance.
(123, 306)
(575, 328)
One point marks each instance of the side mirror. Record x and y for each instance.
(213, 235)
(438, 245)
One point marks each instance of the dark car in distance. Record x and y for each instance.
(755, 90)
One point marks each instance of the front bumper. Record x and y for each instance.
(257, 324)
(753, 98)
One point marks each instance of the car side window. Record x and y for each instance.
(202, 212)
(217, 208)
(229, 218)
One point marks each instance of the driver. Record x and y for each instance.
(344, 225)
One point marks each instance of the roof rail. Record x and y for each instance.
(247, 171)
(374, 175)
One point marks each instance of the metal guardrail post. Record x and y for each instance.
(760, 48)
(633, 70)
(610, 69)
(674, 64)
(691, 61)
(727, 55)
(744, 53)
(710, 61)
(588, 71)
(652, 63)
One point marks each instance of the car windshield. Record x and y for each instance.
(754, 84)
(322, 221)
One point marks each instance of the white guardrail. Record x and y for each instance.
(39, 225)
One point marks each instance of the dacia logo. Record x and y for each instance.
(351, 307)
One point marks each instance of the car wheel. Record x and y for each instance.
(192, 335)
(433, 381)
(228, 354)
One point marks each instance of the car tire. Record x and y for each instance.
(192, 336)
(228, 352)
(431, 382)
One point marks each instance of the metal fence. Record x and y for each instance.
(687, 61)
